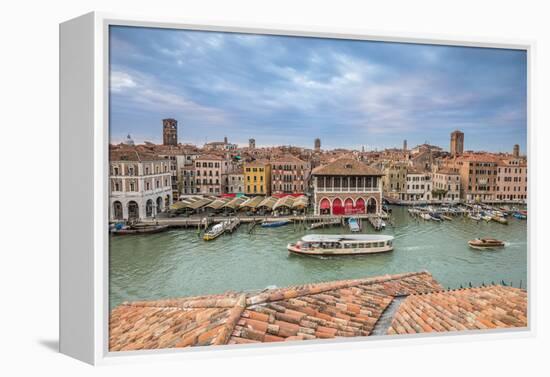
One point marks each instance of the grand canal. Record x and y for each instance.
(177, 263)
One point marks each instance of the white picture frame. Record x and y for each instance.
(84, 140)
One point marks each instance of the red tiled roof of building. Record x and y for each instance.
(346, 166)
(209, 157)
(478, 157)
(465, 309)
(287, 158)
(321, 310)
(447, 171)
(132, 154)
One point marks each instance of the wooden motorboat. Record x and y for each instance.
(485, 243)
(139, 229)
(500, 219)
(335, 245)
(426, 216)
(274, 224)
(448, 218)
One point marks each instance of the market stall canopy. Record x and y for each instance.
(252, 202)
(268, 202)
(235, 202)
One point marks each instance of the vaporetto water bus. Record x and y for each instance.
(347, 244)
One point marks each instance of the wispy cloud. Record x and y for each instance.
(284, 90)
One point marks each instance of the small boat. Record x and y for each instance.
(448, 218)
(475, 217)
(377, 223)
(426, 216)
(413, 211)
(485, 243)
(216, 231)
(334, 245)
(274, 224)
(487, 218)
(500, 219)
(354, 225)
(139, 229)
(520, 216)
(435, 217)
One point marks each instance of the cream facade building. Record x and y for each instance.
(139, 185)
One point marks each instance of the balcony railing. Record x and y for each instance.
(348, 189)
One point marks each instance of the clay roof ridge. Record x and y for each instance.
(225, 301)
(469, 289)
(279, 294)
(233, 318)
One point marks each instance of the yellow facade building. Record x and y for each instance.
(257, 178)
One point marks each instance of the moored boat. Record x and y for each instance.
(216, 231)
(274, 224)
(520, 216)
(500, 219)
(448, 218)
(334, 245)
(139, 229)
(426, 216)
(354, 225)
(475, 217)
(485, 243)
(435, 216)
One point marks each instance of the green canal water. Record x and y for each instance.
(177, 263)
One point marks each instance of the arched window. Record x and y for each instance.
(337, 207)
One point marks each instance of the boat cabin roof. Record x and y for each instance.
(346, 237)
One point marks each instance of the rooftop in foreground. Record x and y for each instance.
(410, 303)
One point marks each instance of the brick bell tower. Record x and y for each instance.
(169, 131)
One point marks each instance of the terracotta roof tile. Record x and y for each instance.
(321, 310)
(346, 166)
(464, 309)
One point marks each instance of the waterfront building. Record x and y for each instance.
(347, 186)
(187, 179)
(512, 179)
(478, 176)
(257, 177)
(139, 184)
(394, 179)
(209, 172)
(235, 181)
(169, 131)
(446, 185)
(289, 175)
(457, 143)
(419, 186)
(181, 159)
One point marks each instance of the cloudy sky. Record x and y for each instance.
(290, 90)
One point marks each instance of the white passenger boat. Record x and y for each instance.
(347, 244)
